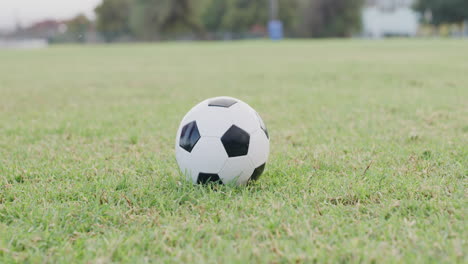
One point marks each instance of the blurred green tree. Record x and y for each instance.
(444, 11)
(113, 18)
(212, 15)
(330, 18)
(239, 16)
(151, 18)
(78, 27)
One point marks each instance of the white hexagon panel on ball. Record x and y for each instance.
(222, 140)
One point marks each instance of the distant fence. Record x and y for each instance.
(23, 43)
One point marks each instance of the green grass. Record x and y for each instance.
(368, 153)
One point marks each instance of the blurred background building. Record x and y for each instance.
(382, 18)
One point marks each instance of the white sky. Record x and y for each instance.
(30, 11)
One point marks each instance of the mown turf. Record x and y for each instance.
(368, 153)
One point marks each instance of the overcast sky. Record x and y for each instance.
(29, 11)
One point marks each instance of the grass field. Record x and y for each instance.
(368, 156)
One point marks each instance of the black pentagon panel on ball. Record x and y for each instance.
(189, 136)
(236, 141)
(204, 178)
(222, 102)
(257, 172)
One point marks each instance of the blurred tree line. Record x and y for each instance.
(439, 12)
(76, 30)
(210, 19)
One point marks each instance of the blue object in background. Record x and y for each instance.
(275, 29)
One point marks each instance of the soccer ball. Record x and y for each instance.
(222, 140)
